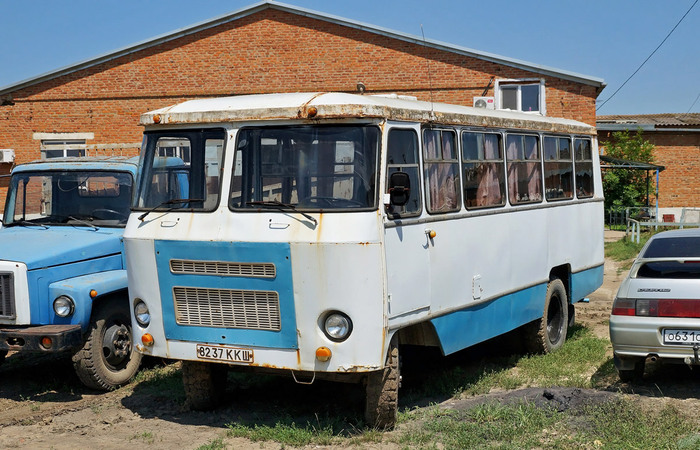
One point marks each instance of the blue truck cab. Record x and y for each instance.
(63, 283)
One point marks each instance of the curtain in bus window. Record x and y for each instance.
(441, 171)
(524, 169)
(490, 190)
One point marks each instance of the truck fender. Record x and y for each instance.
(79, 288)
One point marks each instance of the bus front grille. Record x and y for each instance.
(227, 308)
(7, 296)
(223, 268)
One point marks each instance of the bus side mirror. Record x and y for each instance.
(399, 188)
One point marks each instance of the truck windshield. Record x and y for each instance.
(307, 168)
(180, 165)
(92, 198)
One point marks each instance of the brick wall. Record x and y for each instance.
(270, 51)
(679, 153)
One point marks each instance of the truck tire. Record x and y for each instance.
(382, 392)
(3, 353)
(548, 333)
(204, 384)
(108, 358)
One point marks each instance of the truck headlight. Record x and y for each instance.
(143, 316)
(63, 306)
(337, 326)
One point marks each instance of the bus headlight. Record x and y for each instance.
(143, 316)
(337, 326)
(63, 306)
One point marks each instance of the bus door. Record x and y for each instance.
(406, 243)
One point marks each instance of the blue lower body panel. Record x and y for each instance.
(228, 252)
(462, 329)
(585, 282)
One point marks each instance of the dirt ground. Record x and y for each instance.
(43, 406)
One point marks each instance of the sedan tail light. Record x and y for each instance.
(666, 307)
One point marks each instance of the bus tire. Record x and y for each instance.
(382, 392)
(548, 333)
(108, 358)
(204, 384)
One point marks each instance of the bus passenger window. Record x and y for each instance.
(524, 169)
(558, 168)
(402, 156)
(482, 166)
(441, 171)
(584, 168)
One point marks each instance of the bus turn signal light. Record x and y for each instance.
(147, 340)
(323, 354)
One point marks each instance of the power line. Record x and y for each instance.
(691, 106)
(649, 57)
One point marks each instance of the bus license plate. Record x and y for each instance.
(226, 354)
(681, 337)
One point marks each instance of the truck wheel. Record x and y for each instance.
(382, 392)
(548, 333)
(108, 358)
(204, 384)
(3, 353)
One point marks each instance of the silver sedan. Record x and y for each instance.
(656, 312)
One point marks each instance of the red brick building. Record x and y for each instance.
(94, 106)
(676, 140)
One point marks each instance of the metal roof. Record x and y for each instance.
(335, 105)
(650, 122)
(617, 163)
(255, 8)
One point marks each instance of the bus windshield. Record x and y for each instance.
(90, 198)
(180, 170)
(330, 167)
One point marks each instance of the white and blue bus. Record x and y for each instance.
(313, 234)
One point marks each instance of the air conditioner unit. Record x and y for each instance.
(7, 155)
(484, 102)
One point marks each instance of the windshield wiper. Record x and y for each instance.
(83, 222)
(25, 223)
(174, 201)
(276, 204)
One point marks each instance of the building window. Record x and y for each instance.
(62, 148)
(521, 95)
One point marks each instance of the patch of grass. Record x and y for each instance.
(285, 432)
(490, 425)
(161, 381)
(624, 424)
(570, 365)
(216, 444)
(624, 249)
(146, 436)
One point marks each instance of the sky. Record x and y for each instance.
(605, 39)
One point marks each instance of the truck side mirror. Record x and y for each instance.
(399, 188)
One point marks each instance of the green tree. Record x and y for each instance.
(627, 187)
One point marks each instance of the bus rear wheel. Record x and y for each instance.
(548, 333)
(204, 384)
(382, 392)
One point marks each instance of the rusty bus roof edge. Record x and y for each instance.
(345, 106)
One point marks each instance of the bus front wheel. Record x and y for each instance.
(204, 384)
(382, 392)
(548, 333)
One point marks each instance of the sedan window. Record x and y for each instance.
(675, 247)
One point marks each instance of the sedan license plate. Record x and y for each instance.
(226, 354)
(681, 337)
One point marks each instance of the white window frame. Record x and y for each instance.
(63, 142)
(519, 83)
